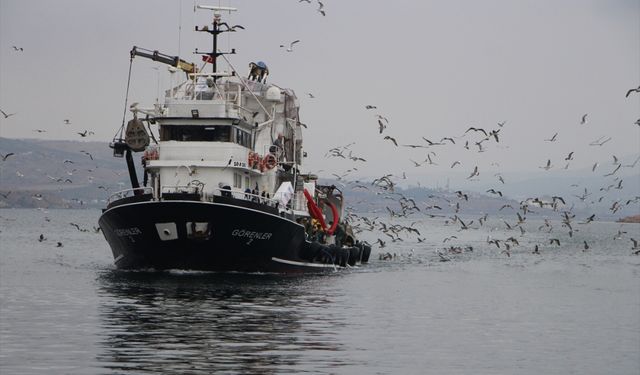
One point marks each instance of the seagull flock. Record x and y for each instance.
(474, 139)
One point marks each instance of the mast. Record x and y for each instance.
(212, 57)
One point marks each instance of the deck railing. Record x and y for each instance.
(129, 193)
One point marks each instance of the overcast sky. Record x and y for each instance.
(433, 68)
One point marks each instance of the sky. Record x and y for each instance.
(432, 68)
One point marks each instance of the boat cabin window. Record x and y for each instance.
(191, 133)
(242, 138)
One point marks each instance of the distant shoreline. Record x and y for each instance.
(630, 219)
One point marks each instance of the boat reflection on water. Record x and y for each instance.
(209, 322)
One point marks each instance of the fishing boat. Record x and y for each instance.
(223, 185)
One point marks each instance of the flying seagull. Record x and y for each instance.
(85, 133)
(476, 130)
(368, 106)
(381, 126)
(290, 48)
(584, 119)
(321, 8)
(548, 166)
(474, 173)
(600, 141)
(6, 115)
(16, 48)
(4, 157)
(391, 139)
(552, 139)
(632, 90)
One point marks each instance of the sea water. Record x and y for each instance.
(66, 309)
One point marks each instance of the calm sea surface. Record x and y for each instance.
(66, 310)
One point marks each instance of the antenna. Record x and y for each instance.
(212, 56)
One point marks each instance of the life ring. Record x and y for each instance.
(270, 161)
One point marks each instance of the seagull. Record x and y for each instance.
(231, 28)
(67, 121)
(5, 196)
(586, 246)
(381, 126)
(614, 171)
(476, 130)
(589, 219)
(41, 238)
(391, 139)
(16, 48)
(59, 244)
(448, 139)
(39, 130)
(632, 90)
(4, 157)
(552, 139)
(6, 115)
(493, 191)
(369, 106)
(570, 156)
(311, 95)
(88, 154)
(548, 166)
(600, 141)
(584, 119)
(455, 163)
(290, 48)
(474, 173)
(321, 8)
(85, 133)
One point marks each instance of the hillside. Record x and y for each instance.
(58, 173)
(75, 174)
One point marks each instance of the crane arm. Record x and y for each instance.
(174, 61)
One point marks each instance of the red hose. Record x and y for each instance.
(316, 213)
(315, 210)
(336, 218)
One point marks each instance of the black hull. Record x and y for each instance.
(210, 237)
